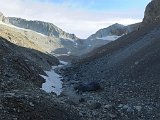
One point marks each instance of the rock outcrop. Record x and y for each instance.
(2, 17)
(152, 12)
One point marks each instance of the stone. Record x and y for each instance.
(31, 104)
(113, 116)
(96, 105)
(81, 100)
(108, 106)
(138, 108)
(93, 86)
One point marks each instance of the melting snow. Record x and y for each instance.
(53, 80)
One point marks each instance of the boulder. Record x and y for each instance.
(92, 86)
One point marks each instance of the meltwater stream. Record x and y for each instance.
(53, 81)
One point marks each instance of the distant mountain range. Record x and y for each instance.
(47, 37)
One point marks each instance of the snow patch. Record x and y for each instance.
(110, 38)
(53, 81)
(63, 62)
(69, 52)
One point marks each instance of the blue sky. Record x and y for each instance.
(82, 17)
(104, 4)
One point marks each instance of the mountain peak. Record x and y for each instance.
(45, 28)
(115, 29)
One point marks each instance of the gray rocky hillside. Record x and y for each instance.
(121, 79)
(20, 83)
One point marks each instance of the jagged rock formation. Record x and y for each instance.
(152, 12)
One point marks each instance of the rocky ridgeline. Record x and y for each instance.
(45, 28)
(115, 29)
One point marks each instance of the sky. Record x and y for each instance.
(81, 17)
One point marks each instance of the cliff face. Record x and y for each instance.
(152, 12)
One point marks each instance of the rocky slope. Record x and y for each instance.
(119, 80)
(20, 83)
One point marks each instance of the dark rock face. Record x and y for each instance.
(152, 12)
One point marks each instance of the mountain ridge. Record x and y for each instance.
(51, 38)
(46, 28)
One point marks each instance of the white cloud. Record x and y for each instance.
(70, 17)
